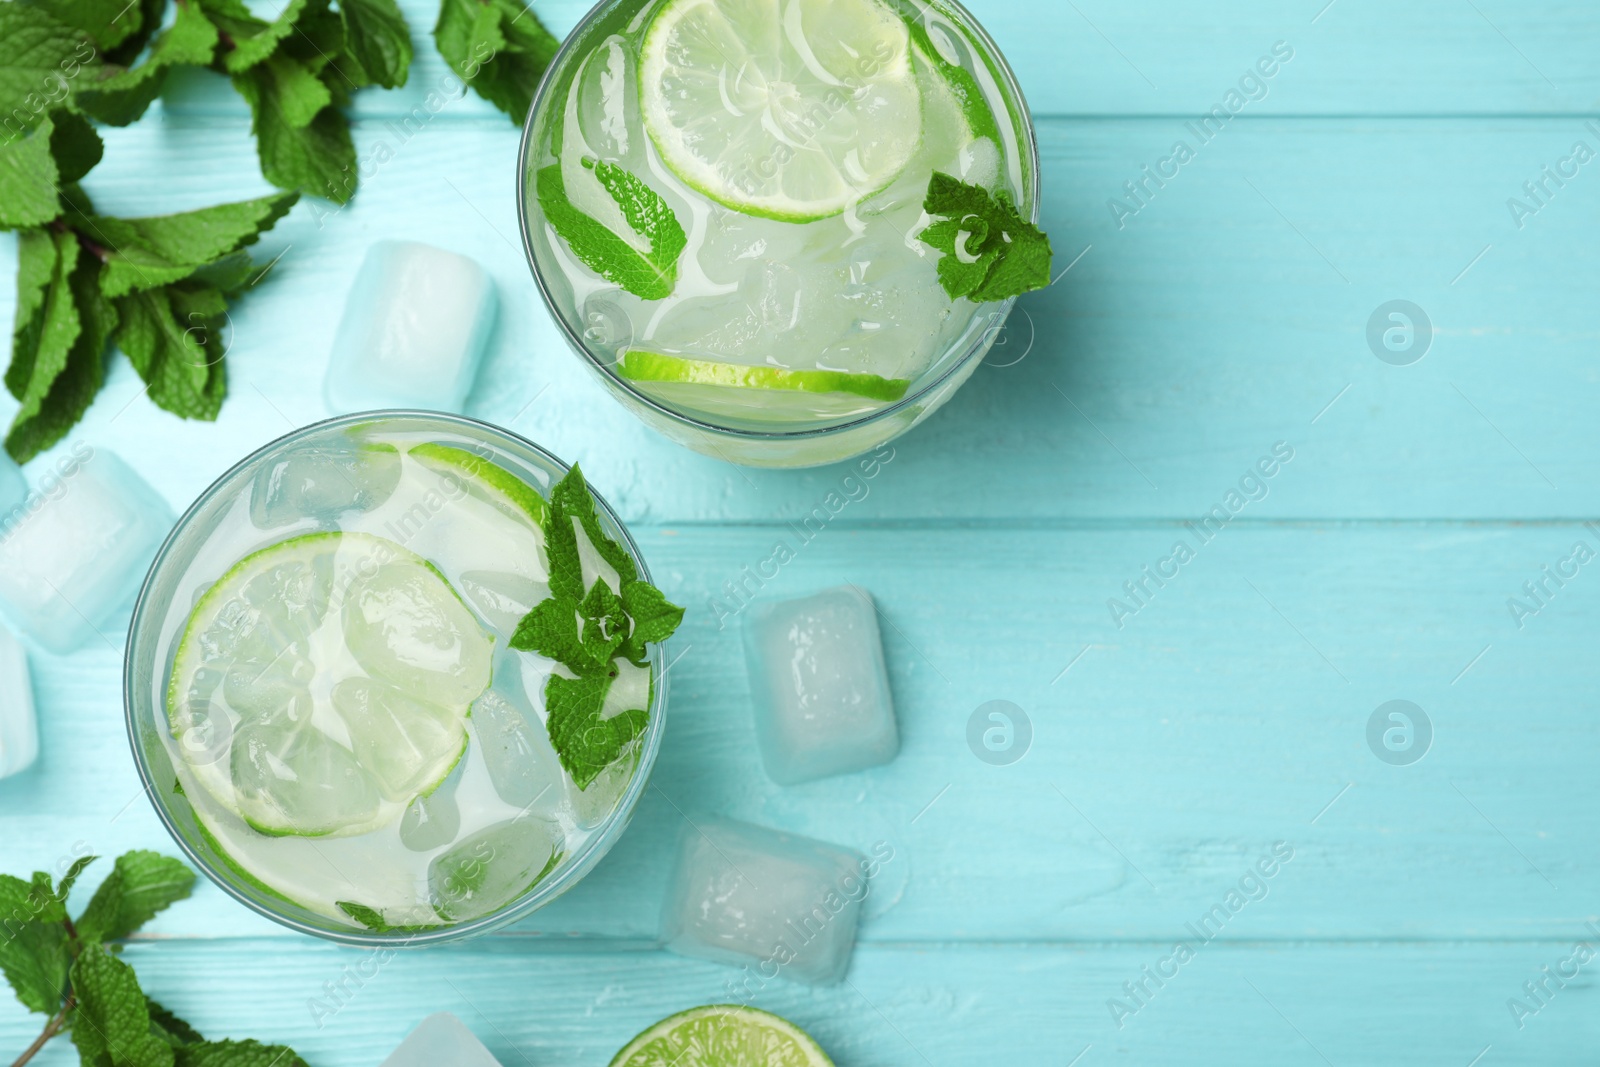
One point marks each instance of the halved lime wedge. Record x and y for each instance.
(641, 366)
(253, 702)
(790, 112)
(723, 1035)
(485, 480)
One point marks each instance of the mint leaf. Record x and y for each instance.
(378, 39)
(45, 417)
(150, 252)
(106, 22)
(121, 94)
(39, 58)
(371, 918)
(237, 1054)
(315, 156)
(68, 880)
(140, 886)
(551, 629)
(499, 47)
(605, 624)
(42, 324)
(570, 499)
(254, 41)
(171, 1029)
(33, 166)
(586, 743)
(74, 145)
(990, 251)
(650, 275)
(112, 1022)
(33, 943)
(176, 346)
(655, 618)
(34, 958)
(48, 320)
(28, 180)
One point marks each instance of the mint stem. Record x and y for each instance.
(51, 1029)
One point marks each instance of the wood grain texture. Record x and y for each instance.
(1227, 713)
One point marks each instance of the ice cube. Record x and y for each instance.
(414, 329)
(13, 487)
(594, 805)
(767, 900)
(19, 729)
(441, 1040)
(323, 483)
(432, 821)
(75, 555)
(522, 766)
(493, 867)
(502, 598)
(819, 686)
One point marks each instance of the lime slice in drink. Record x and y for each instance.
(259, 725)
(790, 112)
(759, 393)
(723, 1035)
(485, 480)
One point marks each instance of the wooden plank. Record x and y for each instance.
(1228, 713)
(1145, 57)
(1439, 1004)
(1228, 314)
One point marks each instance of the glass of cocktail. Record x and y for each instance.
(781, 231)
(396, 677)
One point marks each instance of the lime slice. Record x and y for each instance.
(260, 727)
(487, 481)
(723, 1035)
(641, 366)
(792, 118)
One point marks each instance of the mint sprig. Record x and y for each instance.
(157, 287)
(990, 251)
(649, 272)
(65, 970)
(586, 631)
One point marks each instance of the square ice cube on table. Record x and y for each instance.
(441, 1040)
(13, 487)
(19, 729)
(414, 329)
(78, 553)
(819, 685)
(775, 902)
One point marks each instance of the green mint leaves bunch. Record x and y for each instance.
(68, 970)
(587, 631)
(990, 251)
(296, 73)
(156, 287)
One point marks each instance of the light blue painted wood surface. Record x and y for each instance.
(1227, 314)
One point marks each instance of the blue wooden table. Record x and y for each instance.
(1183, 731)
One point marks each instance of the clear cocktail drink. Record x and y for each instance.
(782, 230)
(340, 701)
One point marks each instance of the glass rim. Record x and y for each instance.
(976, 348)
(584, 859)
